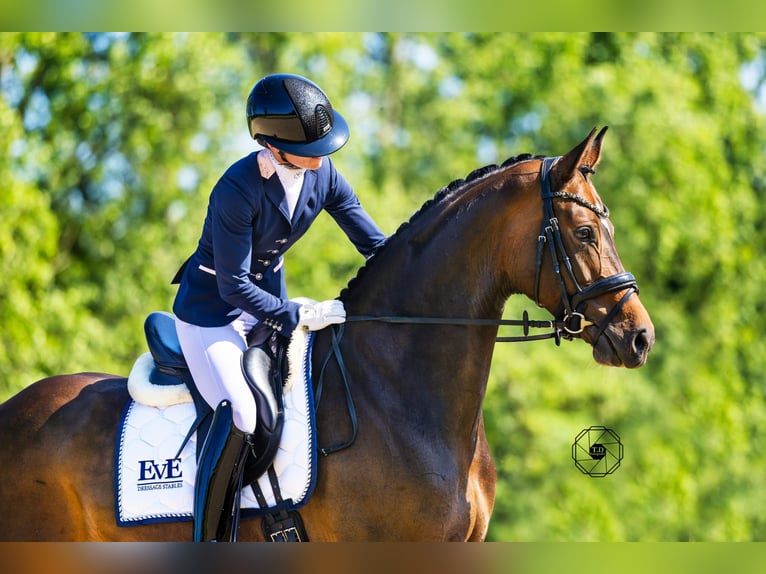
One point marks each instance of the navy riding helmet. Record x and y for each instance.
(294, 115)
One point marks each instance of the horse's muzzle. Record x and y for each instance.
(623, 343)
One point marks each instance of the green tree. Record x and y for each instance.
(112, 137)
(27, 244)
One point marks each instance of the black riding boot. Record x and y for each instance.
(219, 478)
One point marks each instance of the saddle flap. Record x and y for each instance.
(256, 366)
(264, 376)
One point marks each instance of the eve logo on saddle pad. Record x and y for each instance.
(161, 475)
(597, 451)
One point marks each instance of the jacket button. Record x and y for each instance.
(258, 276)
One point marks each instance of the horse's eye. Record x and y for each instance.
(585, 234)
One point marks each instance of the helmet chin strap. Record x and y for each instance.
(286, 162)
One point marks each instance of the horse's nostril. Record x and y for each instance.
(641, 342)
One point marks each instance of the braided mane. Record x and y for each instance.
(454, 188)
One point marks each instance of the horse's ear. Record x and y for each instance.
(587, 154)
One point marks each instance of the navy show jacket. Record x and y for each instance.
(237, 265)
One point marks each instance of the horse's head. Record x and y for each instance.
(579, 277)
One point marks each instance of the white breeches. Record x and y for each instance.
(214, 356)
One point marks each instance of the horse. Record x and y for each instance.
(424, 315)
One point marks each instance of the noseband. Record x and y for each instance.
(574, 321)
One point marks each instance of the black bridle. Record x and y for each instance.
(573, 321)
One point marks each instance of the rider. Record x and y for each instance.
(232, 289)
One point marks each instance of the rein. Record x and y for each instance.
(571, 325)
(525, 322)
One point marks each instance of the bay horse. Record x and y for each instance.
(423, 320)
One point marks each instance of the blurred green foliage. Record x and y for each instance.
(111, 143)
(393, 15)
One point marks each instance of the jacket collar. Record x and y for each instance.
(276, 194)
(307, 191)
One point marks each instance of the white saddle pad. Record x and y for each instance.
(155, 483)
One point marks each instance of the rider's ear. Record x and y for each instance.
(587, 153)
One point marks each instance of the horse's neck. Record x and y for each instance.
(444, 266)
(439, 269)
